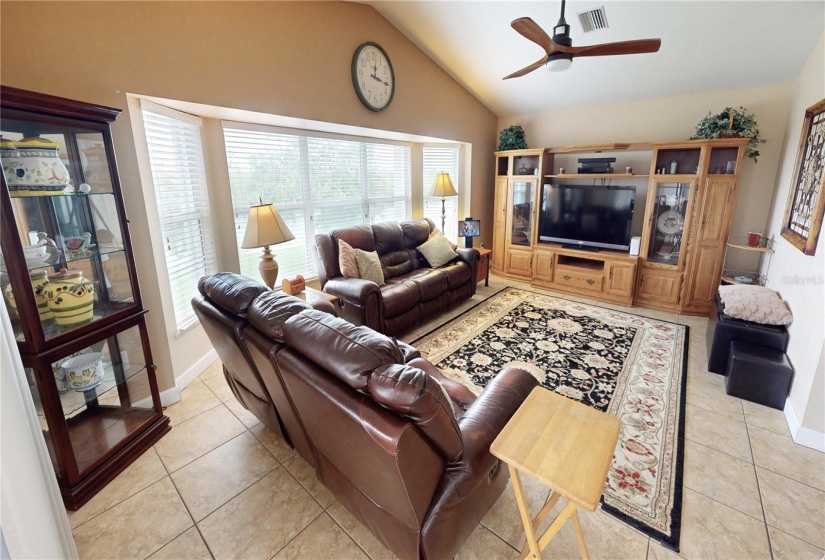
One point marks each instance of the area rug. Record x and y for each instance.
(630, 366)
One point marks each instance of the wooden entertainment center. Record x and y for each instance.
(687, 212)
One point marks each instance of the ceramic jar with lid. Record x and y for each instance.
(33, 167)
(71, 298)
(39, 281)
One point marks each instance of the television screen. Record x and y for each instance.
(587, 216)
(469, 228)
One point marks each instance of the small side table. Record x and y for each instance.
(565, 445)
(484, 265)
(319, 300)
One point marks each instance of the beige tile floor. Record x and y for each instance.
(221, 485)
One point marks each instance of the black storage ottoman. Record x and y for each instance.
(758, 374)
(724, 329)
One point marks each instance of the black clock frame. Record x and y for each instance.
(354, 71)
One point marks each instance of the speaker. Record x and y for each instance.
(635, 243)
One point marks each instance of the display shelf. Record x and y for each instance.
(74, 402)
(766, 245)
(740, 276)
(597, 176)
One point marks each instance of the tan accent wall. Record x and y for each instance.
(284, 58)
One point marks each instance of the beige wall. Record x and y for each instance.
(284, 58)
(796, 276)
(668, 119)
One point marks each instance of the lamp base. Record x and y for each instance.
(268, 268)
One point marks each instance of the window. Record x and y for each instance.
(317, 184)
(436, 160)
(176, 158)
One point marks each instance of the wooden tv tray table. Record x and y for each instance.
(320, 300)
(565, 445)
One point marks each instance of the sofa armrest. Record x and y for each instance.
(490, 413)
(457, 392)
(469, 256)
(352, 290)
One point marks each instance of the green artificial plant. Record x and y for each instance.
(731, 123)
(512, 138)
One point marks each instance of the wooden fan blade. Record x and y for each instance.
(531, 30)
(623, 47)
(528, 69)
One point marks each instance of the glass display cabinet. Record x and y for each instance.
(68, 279)
(670, 203)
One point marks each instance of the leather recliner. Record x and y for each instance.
(402, 447)
(412, 290)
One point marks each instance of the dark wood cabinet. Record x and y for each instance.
(68, 278)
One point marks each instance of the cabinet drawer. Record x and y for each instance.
(581, 280)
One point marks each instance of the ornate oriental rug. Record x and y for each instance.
(626, 365)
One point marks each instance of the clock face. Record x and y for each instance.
(372, 76)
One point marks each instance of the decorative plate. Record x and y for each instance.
(670, 222)
(743, 279)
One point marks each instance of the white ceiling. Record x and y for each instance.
(706, 46)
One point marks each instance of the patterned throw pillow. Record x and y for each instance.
(755, 303)
(346, 260)
(369, 266)
(437, 251)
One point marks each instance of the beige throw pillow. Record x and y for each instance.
(369, 266)
(437, 251)
(437, 231)
(755, 303)
(346, 260)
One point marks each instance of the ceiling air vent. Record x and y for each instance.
(592, 20)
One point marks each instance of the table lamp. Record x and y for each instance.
(443, 187)
(264, 228)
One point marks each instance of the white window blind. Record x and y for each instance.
(438, 159)
(176, 158)
(317, 184)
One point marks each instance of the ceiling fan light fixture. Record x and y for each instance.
(559, 62)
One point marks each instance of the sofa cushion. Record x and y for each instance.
(346, 260)
(431, 285)
(231, 292)
(458, 274)
(270, 311)
(388, 236)
(348, 352)
(399, 297)
(437, 251)
(420, 398)
(757, 304)
(416, 232)
(359, 237)
(369, 266)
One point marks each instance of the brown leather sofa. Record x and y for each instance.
(412, 290)
(403, 448)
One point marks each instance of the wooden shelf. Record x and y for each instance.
(749, 248)
(614, 147)
(597, 176)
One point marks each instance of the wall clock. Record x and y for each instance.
(372, 76)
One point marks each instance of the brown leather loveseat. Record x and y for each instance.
(412, 290)
(403, 448)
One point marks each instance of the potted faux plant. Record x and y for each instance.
(512, 138)
(731, 123)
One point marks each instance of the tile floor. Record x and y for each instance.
(221, 485)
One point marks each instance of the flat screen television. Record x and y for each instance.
(587, 216)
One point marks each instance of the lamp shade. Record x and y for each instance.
(443, 186)
(265, 227)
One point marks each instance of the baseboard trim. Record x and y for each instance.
(800, 434)
(195, 370)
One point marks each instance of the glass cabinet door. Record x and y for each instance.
(105, 393)
(670, 204)
(66, 220)
(521, 218)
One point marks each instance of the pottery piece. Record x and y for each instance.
(39, 281)
(71, 298)
(84, 372)
(34, 168)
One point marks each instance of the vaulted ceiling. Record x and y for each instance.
(706, 46)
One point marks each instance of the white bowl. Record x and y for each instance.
(84, 372)
(34, 251)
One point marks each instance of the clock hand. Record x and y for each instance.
(376, 78)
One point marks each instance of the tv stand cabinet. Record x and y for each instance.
(604, 275)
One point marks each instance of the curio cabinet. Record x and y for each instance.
(68, 279)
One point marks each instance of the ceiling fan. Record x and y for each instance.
(560, 50)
